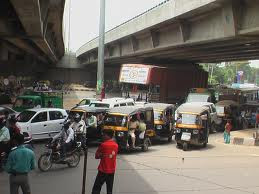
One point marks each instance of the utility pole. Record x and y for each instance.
(100, 68)
(212, 68)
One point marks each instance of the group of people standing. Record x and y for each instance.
(20, 160)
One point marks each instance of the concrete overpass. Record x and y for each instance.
(183, 32)
(31, 34)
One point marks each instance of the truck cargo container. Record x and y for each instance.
(160, 84)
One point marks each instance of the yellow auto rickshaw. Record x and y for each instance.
(192, 125)
(163, 119)
(92, 133)
(119, 118)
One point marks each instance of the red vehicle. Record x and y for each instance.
(160, 84)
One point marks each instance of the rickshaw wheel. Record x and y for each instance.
(178, 145)
(170, 139)
(145, 145)
(185, 146)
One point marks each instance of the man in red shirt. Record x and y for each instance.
(107, 152)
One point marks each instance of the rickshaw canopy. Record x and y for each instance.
(195, 108)
(128, 111)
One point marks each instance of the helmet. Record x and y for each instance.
(77, 117)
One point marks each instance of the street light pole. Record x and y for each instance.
(100, 68)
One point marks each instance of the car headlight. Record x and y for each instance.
(195, 131)
(120, 134)
(178, 130)
(159, 127)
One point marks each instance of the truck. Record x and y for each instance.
(160, 84)
(31, 99)
(201, 95)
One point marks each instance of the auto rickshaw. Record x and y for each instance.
(192, 125)
(228, 109)
(84, 112)
(250, 110)
(163, 120)
(118, 119)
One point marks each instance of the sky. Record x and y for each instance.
(84, 16)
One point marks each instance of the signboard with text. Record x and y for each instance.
(134, 74)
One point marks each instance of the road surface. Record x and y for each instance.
(164, 169)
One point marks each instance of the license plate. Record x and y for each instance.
(186, 136)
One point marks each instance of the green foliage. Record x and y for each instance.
(225, 74)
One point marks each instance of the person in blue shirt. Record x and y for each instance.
(20, 162)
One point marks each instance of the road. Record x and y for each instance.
(164, 169)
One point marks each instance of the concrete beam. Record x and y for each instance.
(22, 44)
(30, 16)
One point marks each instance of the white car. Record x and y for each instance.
(113, 102)
(85, 102)
(39, 123)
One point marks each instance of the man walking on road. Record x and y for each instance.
(107, 152)
(19, 163)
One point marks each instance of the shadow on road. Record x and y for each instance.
(63, 180)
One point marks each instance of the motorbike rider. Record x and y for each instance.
(67, 138)
(79, 128)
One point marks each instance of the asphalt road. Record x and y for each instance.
(164, 169)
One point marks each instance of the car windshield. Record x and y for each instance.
(84, 102)
(158, 115)
(100, 105)
(24, 102)
(25, 116)
(198, 98)
(189, 119)
(220, 109)
(114, 120)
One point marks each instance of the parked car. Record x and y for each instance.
(4, 109)
(38, 123)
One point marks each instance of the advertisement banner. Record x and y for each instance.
(136, 75)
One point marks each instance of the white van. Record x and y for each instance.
(113, 102)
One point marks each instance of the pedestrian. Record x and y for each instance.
(107, 153)
(20, 162)
(228, 128)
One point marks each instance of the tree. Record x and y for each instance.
(226, 73)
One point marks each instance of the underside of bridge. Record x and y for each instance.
(31, 35)
(223, 30)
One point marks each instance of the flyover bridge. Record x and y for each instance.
(31, 34)
(183, 32)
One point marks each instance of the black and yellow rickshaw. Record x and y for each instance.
(192, 125)
(118, 120)
(228, 109)
(163, 119)
(84, 112)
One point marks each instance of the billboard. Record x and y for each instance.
(135, 74)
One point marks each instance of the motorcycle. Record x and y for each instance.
(53, 156)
